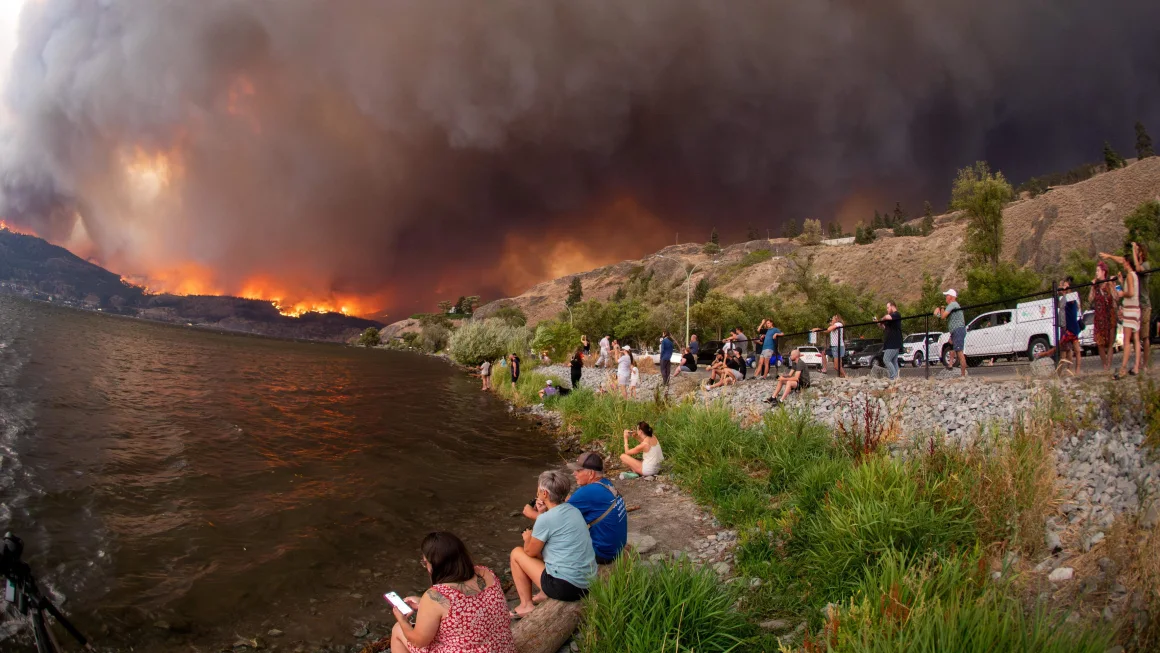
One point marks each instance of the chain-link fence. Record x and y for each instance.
(1004, 333)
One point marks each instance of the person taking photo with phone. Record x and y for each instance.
(463, 612)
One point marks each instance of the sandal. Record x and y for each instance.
(1116, 376)
(515, 616)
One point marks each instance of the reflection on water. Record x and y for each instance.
(159, 472)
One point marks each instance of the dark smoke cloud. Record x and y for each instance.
(358, 146)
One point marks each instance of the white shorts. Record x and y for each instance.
(622, 379)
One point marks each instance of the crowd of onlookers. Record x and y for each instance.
(579, 522)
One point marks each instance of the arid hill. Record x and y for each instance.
(1087, 216)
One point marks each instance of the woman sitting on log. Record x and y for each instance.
(557, 554)
(464, 611)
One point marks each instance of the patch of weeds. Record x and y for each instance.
(1150, 402)
(862, 435)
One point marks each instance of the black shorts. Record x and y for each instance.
(515, 377)
(604, 561)
(561, 590)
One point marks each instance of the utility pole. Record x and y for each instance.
(688, 290)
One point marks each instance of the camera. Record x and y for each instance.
(22, 592)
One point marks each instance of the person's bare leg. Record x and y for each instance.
(398, 642)
(1131, 347)
(1078, 355)
(524, 569)
(635, 465)
(789, 386)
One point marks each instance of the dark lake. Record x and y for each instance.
(178, 488)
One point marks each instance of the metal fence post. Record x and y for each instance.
(926, 347)
(1055, 320)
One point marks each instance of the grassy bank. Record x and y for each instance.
(903, 546)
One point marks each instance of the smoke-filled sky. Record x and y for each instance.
(405, 151)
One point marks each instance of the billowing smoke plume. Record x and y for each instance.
(407, 149)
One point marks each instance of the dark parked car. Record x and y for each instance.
(854, 349)
(868, 357)
(709, 349)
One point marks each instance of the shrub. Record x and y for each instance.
(559, 339)
(512, 315)
(477, 341)
(811, 232)
(433, 337)
(670, 607)
(712, 249)
(369, 338)
(754, 257)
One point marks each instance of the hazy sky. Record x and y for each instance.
(409, 151)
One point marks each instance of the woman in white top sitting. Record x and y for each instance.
(649, 446)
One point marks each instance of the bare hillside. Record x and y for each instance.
(1037, 232)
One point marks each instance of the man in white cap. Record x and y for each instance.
(953, 314)
(549, 390)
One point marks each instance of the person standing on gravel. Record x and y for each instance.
(837, 348)
(768, 349)
(605, 349)
(892, 341)
(694, 345)
(956, 325)
(577, 367)
(666, 359)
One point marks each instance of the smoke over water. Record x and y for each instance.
(388, 154)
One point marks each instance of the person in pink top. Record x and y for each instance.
(463, 612)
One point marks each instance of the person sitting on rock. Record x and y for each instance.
(557, 553)
(463, 610)
(717, 369)
(688, 363)
(650, 447)
(798, 377)
(601, 505)
(730, 370)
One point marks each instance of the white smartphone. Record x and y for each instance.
(398, 603)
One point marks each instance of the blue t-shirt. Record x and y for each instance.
(568, 553)
(695, 347)
(770, 341)
(666, 349)
(611, 534)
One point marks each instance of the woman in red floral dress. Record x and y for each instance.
(1102, 298)
(463, 612)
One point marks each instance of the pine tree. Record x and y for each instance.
(1143, 142)
(753, 234)
(713, 238)
(835, 230)
(1112, 160)
(700, 291)
(927, 219)
(877, 222)
(899, 215)
(575, 292)
(791, 229)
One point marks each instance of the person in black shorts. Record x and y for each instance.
(514, 366)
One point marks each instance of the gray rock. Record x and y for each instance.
(1151, 516)
(775, 625)
(274, 632)
(1053, 543)
(1061, 574)
(642, 544)
(722, 568)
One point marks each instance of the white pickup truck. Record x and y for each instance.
(1027, 330)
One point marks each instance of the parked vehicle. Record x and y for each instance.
(1087, 337)
(854, 349)
(869, 356)
(811, 356)
(1027, 330)
(708, 350)
(912, 349)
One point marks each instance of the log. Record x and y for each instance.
(548, 627)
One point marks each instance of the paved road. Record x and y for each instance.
(1090, 364)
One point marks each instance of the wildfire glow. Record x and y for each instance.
(4, 226)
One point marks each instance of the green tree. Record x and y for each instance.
(834, 230)
(1143, 142)
(900, 216)
(716, 313)
(982, 194)
(1112, 160)
(559, 339)
(930, 297)
(511, 315)
(433, 337)
(466, 305)
(927, 219)
(863, 235)
(1143, 225)
(753, 233)
(446, 306)
(791, 229)
(370, 338)
(713, 238)
(811, 232)
(700, 291)
(994, 283)
(877, 222)
(575, 292)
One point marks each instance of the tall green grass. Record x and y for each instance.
(670, 607)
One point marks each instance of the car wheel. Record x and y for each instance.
(1038, 345)
(917, 362)
(948, 356)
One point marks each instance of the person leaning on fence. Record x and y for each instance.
(837, 349)
(892, 341)
(956, 325)
(797, 378)
(1130, 295)
(1102, 299)
(1147, 330)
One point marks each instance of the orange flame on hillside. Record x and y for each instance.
(4, 226)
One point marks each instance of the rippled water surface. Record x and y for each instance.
(217, 482)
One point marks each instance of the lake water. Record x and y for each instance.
(176, 487)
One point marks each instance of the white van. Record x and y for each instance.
(1027, 330)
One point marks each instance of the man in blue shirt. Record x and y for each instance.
(768, 349)
(602, 506)
(666, 357)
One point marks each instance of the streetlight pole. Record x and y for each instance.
(570, 321)
(688, 290)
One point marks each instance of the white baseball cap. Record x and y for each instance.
(951, 293)
(549, 381)
(627, 348)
